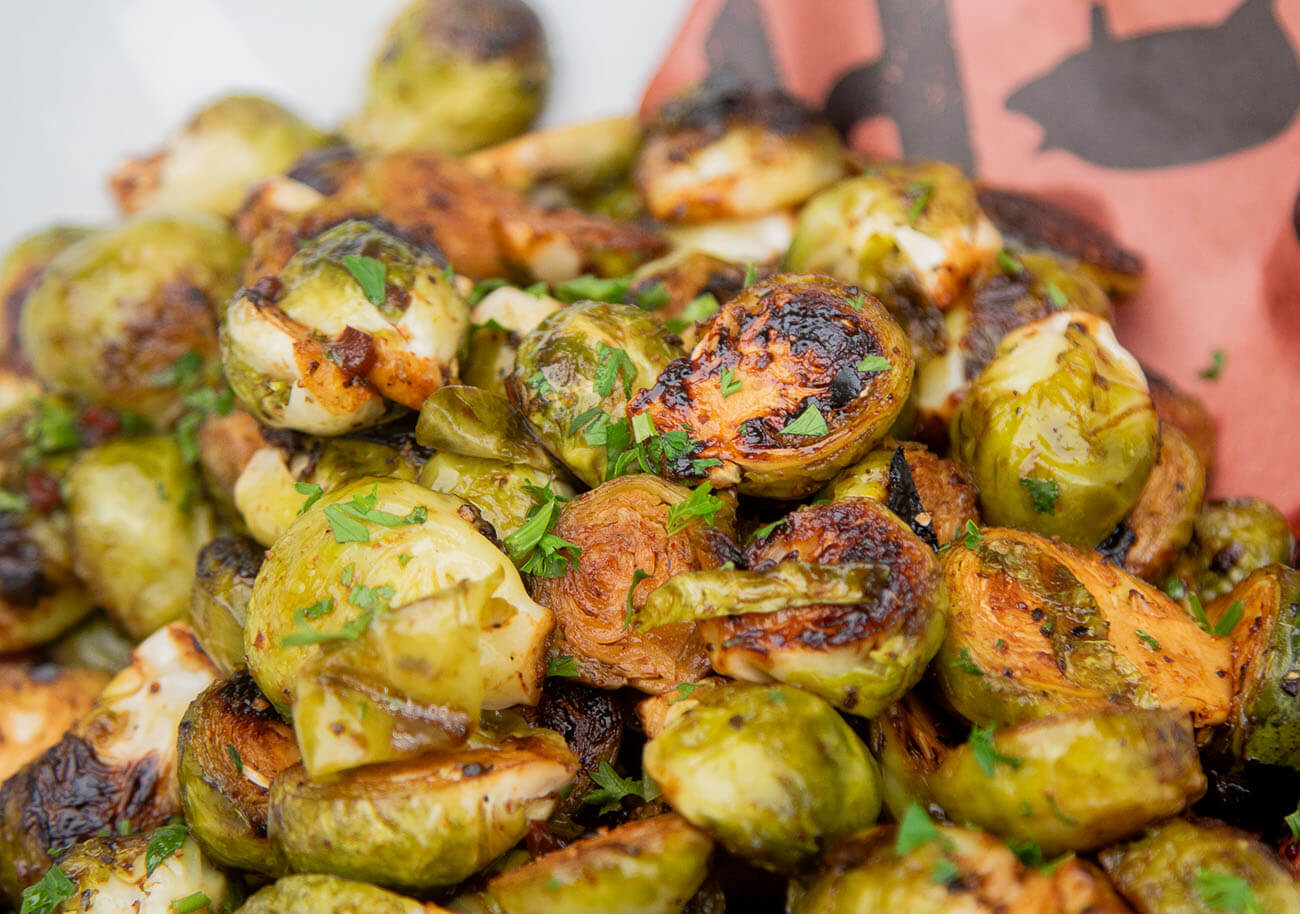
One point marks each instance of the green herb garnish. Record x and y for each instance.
(370, 274)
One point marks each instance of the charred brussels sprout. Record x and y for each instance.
(652, 866)
(454, 76)
(496, 488)
(223, 585)
(112, 314)
(899, 231)
(584, 160)
(574, 375)
(1058, 430)
(20, 271)
(1182, 867)
(1036, 627)
(38, 703)
(911, 739)
(1164, 516)
(321, 894)
(793, 380)
(226, 147)
(1072, 782)
(719, 151)
(98, 643)
(430, 821)
(1180, 409)
(138, 523)
(860, 653)
(230, 746)
(772, 772)
(633, 533)
(115, 765)
(355, 319)
(108, 875)
(377, 543)
(1230, 539)
(40, 597)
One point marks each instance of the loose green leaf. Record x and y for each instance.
(1226, 892)
(684, 689)
(751, 275)
(875, 363)
(533, 547)
(858, 302)
(583, 419)
(914, 830)
(592, 288)
(1009, 263)
(482, 288)
(965, 664)
(1148, 640)
(1043, 493)
(52, 890)
(235, 758)
(973, 535)
(164, 842)
(1228, 621)
(370, 274)
(700, 308)
(563, 666)
(986, 751)
(919, 192)
(613, 363)
(729, 383)
(1175, 588)
(346, 529)
(1030, 853)
(1198, 611)
(1293, 823)
(1218, 359)
(191, 903)
(182, 373)
(637, 577)
(944, 871)
(1057, 298)
(12, 501)
(51, 429)
(699, 504)
(313, 493)
(809, 422)
(653, 297)
(765, 530)
(614, 787)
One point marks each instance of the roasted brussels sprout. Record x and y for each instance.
(1037, 627)
(652, 866)
(477, 423)
(899, 231)
(1182, 867)
(410, 682)
(356, 318)
(226, 445)
(860, 655)
(496, 488)
(1180, 409)
(911, 739)
(454, 76)
(771, 772)
(130, 872)
(223, 585)
(576, 158)
(943, 870)
(20, 271)
(793, 380)
(113, 313)
(426, 822)
(40, 598)
(276, 482)
(1230, 539)
(1058, 430)
(1139, 766)
(943, 488)
(499, 319)
(1162, 520)
(721, 150)
(226, 147)
(115, 765)
(686, 287)
(38, 703)
(230, 746)
(321, 894)
(97, 643)
(632, 534)
(575, 373)
(138, 523)
(380, 542)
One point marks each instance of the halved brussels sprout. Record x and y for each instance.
(1059, 430)
(426, 822)
(577, 158)
(899, 231)
(479, 423)
(499, 319)
(1231, 538)
(862, 654)
(138, 523)
(311, 893)
(454, 76)
(1073, 782)
(276, 482)
(230, 746)
(494, 487)
(1032, 224)
(772, 772)
(575, 373)
(356, 318)
(225, 148)
(1036, 627)
(1153, 534)
(911, 738)
(381, 542)
(1178, 408)
(652, 866)
(944, 487)
(20, 271)
(223, 585)
(946, 870)
(793, 379)
(633, 534)
(38, 703)
(115, 765)
(720, 150)
(40, 597)
(109, 875)
(97, 643)
(410, 682)
(686, 287)
(113, 313)
(1183, 867)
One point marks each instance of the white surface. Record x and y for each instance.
(89, 82)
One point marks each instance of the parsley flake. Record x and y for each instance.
(235, 758)
(965, 664)
(1043, 493)
(765, 530)
(371, 275)
(698, 309)
(986, 751)
(313, 493)
(1211, 372)
(562, 665)
(809, 422)
(613, 363)
(52, 890)
(1226, 892)
(919, 192)
(1008, 263)
(698, 504)
(684, 690)
(1228, 621)
(190, 903)
(614, 787)
(637, 577)
(915, 830)
(1148, 640)
(875, 363)
(533, 547)
(751, 275)
(1057, 298)
(728, 382)
(164, 842)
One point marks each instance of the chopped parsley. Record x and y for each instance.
(1043, 493)
(1226, 892)
(52, 890)
(965, 664)
(637, 577)
(1008, 263)
(698, 504)
(653, 297)
(313, 493)
(875, 363)
(235, 758)
(186, 374)
(537, 381)
(533, 547)
(613, 363)
(563, 666)
(698, 309)
(1057, 298)
(190, 903)
(591, 288)
(164, 842)
(915, 830)
(809, 422)
(483, 288)
(614, 787)
(371, 275)
(12, 501)
(1148, 640)
(1211, 372)
(728, 382)
(348, 521)
(765, 530)
(1228, 621)
(751, 275)
(986, 751)
(684, 690)
(51, 429)
(919, 192)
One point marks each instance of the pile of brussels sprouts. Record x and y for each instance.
(641, 517)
